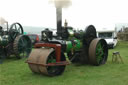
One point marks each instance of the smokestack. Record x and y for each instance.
(59, 4)
(59, 20)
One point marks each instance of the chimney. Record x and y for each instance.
(59, 20)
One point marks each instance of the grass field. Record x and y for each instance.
(16, 72)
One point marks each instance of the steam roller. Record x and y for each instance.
(80, 46)
(56, 50)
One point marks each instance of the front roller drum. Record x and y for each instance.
(98, 51)
(41, 57)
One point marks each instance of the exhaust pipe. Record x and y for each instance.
(59, 20)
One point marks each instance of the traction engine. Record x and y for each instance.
(50, 55)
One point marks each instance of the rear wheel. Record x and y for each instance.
(98, 51)
(22, 46)
(82, 56)
(2, 55)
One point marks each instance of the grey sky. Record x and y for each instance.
(101, 13)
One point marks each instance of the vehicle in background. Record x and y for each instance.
(109, 35)
(34, 38)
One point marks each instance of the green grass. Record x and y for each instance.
(16, 72)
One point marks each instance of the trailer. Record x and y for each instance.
(110, 35)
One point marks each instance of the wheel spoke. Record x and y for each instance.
(15, 27)
(19, 30)
(14, 36)
(22, 40)
(99, 52)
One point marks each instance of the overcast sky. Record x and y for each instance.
(101, 13)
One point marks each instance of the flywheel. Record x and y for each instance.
(15, 29)
(89, 34)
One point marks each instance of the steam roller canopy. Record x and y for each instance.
(43, 56)
(98, 51)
